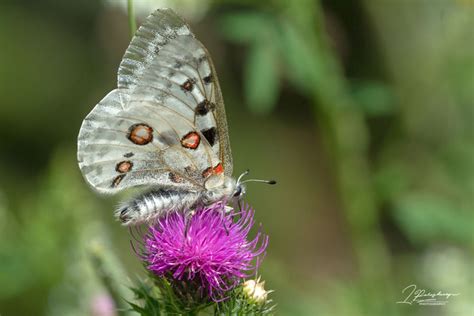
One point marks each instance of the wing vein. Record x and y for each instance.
(134, 119)
(181, 72)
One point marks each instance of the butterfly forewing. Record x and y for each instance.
(224, 151)
(179, 74)
(165, 124)
(155, 33)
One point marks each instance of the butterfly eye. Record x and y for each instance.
(238, 191)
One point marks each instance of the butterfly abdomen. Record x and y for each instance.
(154, 204)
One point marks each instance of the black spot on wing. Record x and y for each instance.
(210, 134)
(157, 48)
(117, 180)
(128, 155)
(188, 85)
(204, 107)
(202, 58)
(207, 79)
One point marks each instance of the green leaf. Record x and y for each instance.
(149, 299)
(425, 217)
(373, 97)
(302, 60)
(137, 308)
(261, 74)
(244, 27)
(261, 78)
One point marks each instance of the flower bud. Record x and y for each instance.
(254, 291)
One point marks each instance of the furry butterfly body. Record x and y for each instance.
(163, 128)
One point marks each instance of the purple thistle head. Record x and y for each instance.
(210, 248)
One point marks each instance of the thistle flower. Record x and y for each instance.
(210, 248)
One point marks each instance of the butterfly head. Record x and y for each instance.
(219, 186)
(239, 191)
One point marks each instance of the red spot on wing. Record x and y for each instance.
(124, 166)
(140, 134)
(191, 140)
(218, 169)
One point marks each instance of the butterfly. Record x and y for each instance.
(163, 128)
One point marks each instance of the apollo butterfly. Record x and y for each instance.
(163, 128)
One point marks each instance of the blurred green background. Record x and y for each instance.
(362, 110)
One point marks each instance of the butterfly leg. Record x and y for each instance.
(230, 208)
(187, 222)
(226, 210)
(226, 229)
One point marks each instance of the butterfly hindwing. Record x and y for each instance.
(120, 148)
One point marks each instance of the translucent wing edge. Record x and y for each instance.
(112, 101)
(225, 153)
(158, 28)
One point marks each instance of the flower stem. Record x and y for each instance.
(131, 18)
(108, 271)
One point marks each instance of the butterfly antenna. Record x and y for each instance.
(246, 172)
(259, 180)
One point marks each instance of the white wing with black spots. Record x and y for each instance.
(165, 125)
(165, 61)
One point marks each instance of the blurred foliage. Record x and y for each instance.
(362, 110)
(157, 296)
